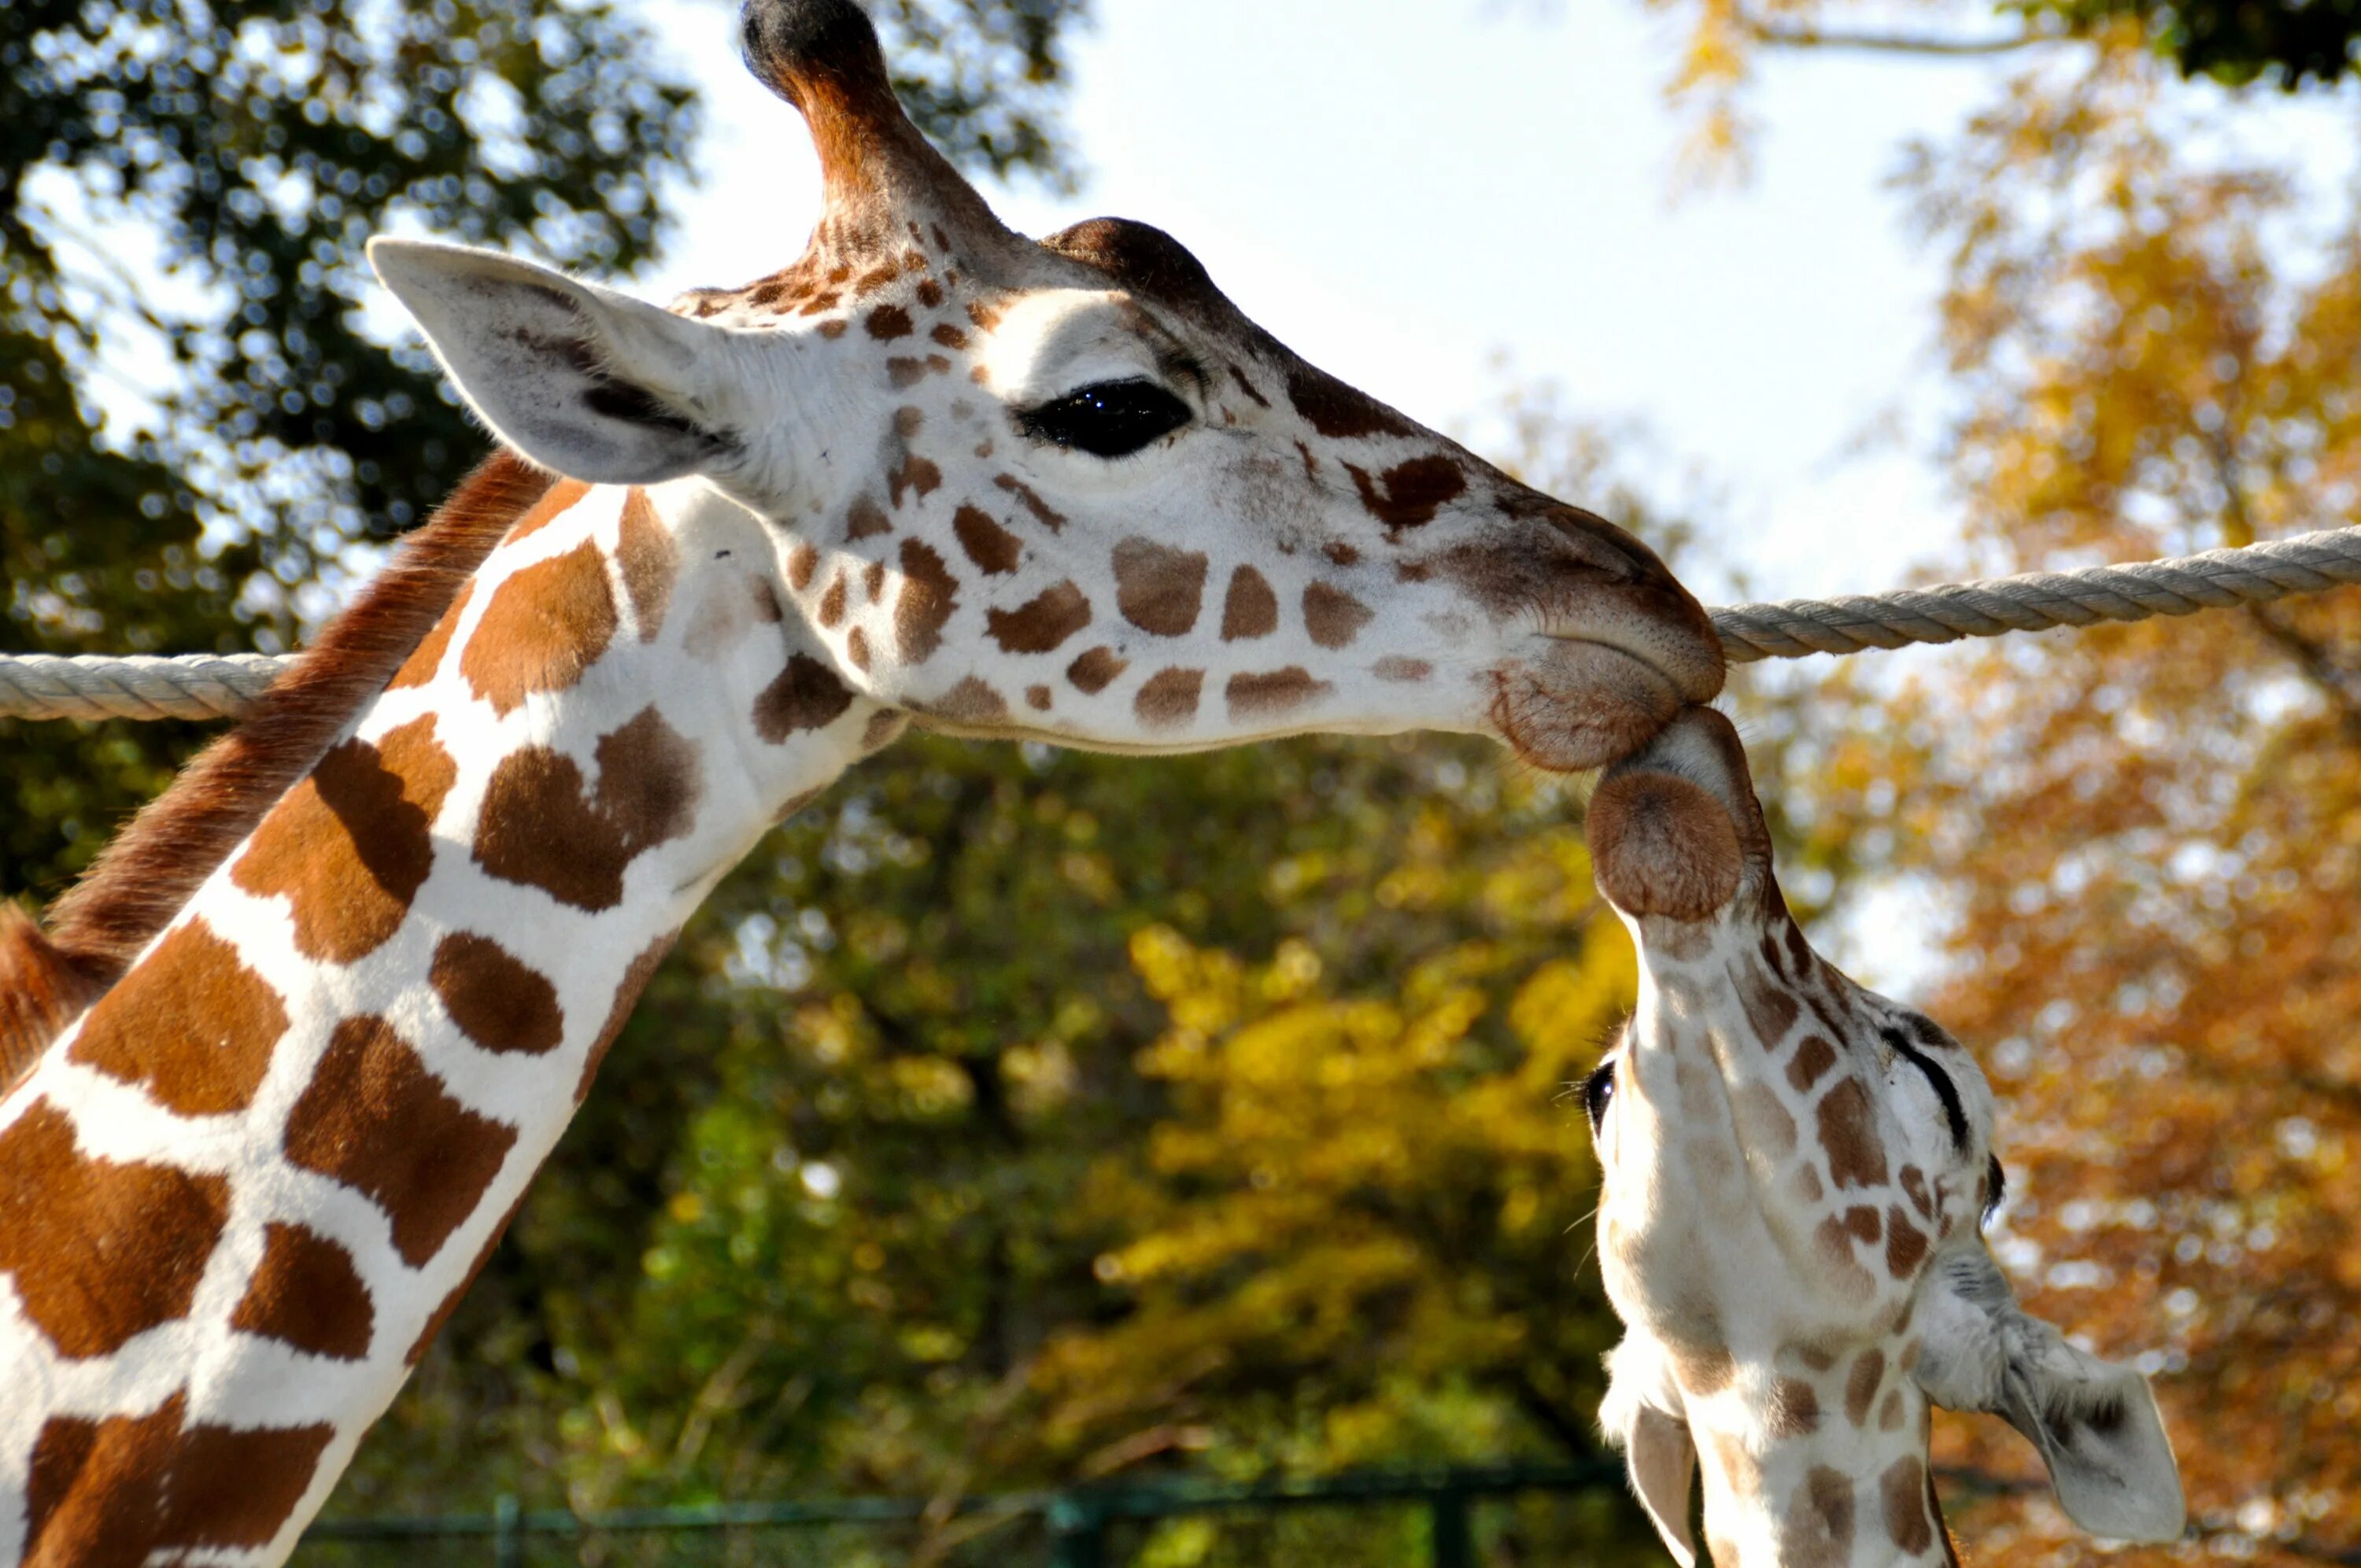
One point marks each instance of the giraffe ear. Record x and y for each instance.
(594, 384)
(2094, 1423)
(1643, 1416)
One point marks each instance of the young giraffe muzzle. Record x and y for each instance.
(1796, 1172)
(1065, 490)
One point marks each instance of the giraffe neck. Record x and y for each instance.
(240, 1194)
(1825, 1466)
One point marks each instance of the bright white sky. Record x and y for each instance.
(1408, 191)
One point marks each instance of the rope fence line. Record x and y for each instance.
(43, 686)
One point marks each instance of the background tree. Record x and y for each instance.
(2149, 833)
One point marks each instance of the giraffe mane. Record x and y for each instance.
(150, 870)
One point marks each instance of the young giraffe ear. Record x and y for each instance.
(2094, 1423)
(594, 384)
(1642, 1416)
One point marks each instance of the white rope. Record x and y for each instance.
(41, 685)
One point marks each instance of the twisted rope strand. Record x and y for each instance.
(42, 685)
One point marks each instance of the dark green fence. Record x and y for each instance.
(1091, 1527)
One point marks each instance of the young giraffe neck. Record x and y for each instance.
(1812, 1450)
(239, 1195)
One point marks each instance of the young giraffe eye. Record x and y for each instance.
(1109, 419)
(1598, 1090)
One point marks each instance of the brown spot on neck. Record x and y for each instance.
(541, 827)
(351, 846)
(191, 1022)
(1332, 616)
(1280, 691)
(1095, 670)
(500, 1002)
(101, 1250)
(1408, 495)
(1167, 699)
(306, 1293)
(545, 625)
(375, 1119)
(805, 696)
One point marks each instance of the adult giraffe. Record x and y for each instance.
(285, 1063)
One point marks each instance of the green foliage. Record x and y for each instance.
(2286, 42)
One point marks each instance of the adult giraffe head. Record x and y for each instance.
(1795, 1175)
(1065, 490)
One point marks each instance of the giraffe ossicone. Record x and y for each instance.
(1795, 1174)
(276, 1075)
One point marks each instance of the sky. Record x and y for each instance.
(1440, 200)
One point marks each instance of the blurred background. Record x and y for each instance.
(1018, 1118)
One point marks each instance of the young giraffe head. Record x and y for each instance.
(1795, 1175)
(1065, 490)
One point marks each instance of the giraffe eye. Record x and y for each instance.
(1597, 1090)
(1110, 419)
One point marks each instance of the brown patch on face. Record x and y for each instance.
(1769, 1012)
(541, 827)
(1763, 1123)
(1049, 517)
(1815, 1356)
(1818, 1530)
(863, 518)
(1795, 1409)
(1905, 1245)
(1339, 411)
(987, 543)
(649, 561)
(500, 1002)
(1042, 623)
(350, 846)
(191, 1023)
(112, 1492)
(1248, 387)
(544, 627)
(1038, 698)
(554, 503)
(1660, 845)
(1807, 1184)
(1861, 1384)
(1903, 1488)
(1848, 1122)
(1409, 494)
(306, 1293)
(1862, 1224)
(101, 1250)
(1703, 1370)
(1168, 697)
(1157, 590)
(929, 595)
(873, 578)
(887, 323)
(426, 661)
(1332, 616)
(915, 475)
(949, 335)
(1093, 672)
(1340, 554)
(1812, 1058)
(802, 561)
(856, 648)
(1280, 691)
(1249, 608)
(970, 702)
(1913, 1183)
(376, 1120)
(832, 603)
(636, 975)
(1834, 1243)
(1394, 668)
(805, 696)
(1889, 1414)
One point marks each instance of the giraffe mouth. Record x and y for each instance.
(1583, 701)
